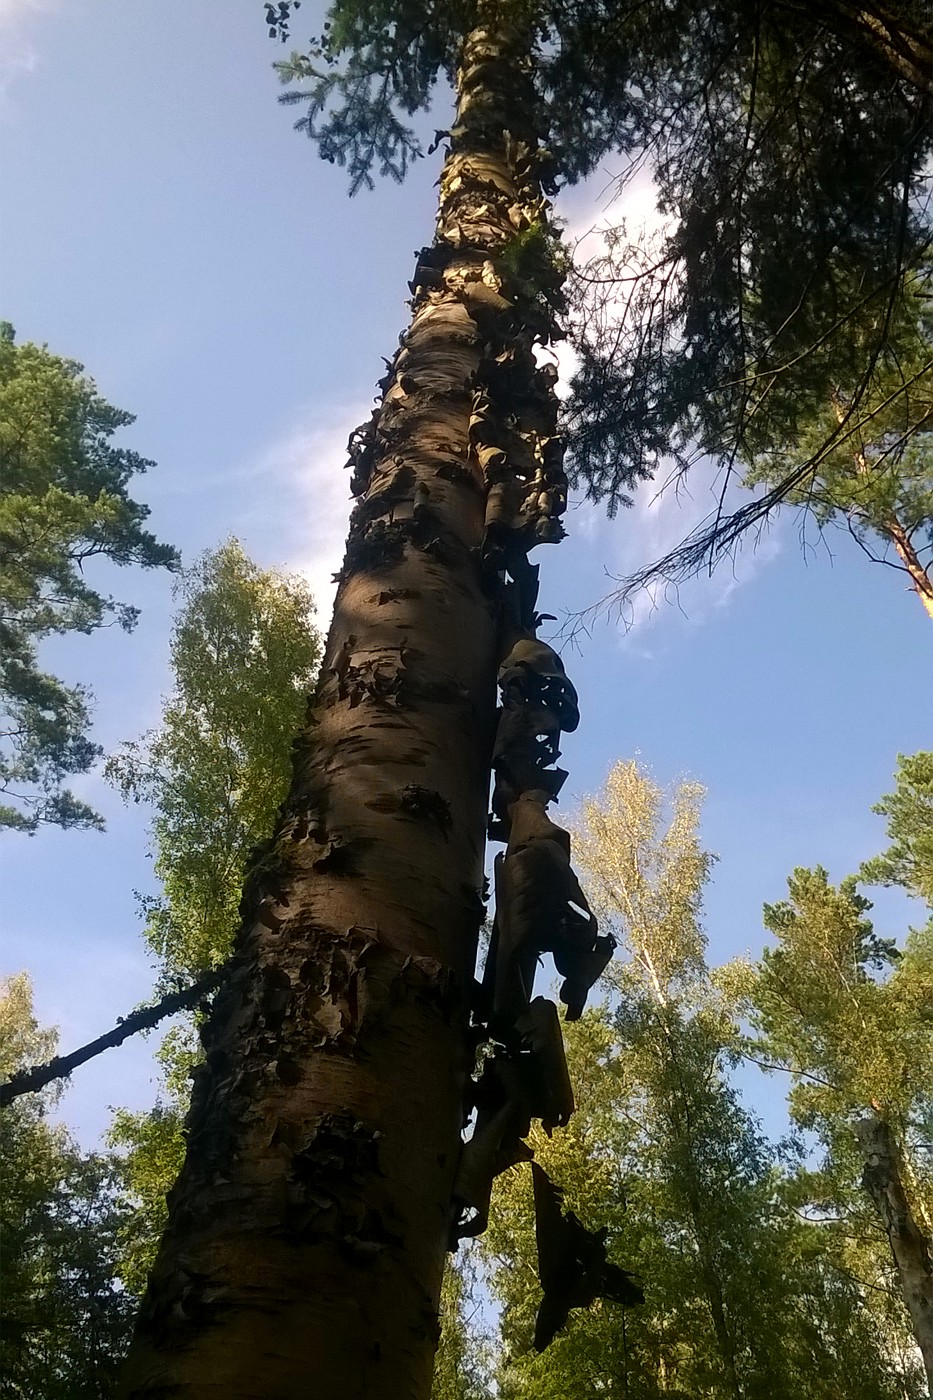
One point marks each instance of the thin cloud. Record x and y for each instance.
(663, 514)
(19, 55)
(660, 518)
(309, 461)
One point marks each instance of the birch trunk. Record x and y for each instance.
(307, 1232)
(910, 1247)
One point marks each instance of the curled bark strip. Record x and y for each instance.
(541, 908)
(572, 1263)
(525, 1079)
(30, 1081)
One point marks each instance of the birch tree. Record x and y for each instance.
(846, 1012)
(325, 1131)
(325, 1173)
(243, 652)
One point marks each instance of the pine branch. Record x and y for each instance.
(29, 1081)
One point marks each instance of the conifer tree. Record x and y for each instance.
(64, 504)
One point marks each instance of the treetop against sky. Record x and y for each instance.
(165, 227)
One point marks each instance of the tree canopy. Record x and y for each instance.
(244, 654)
(64, 1318)
(64, 502)
(908, 861)
(787, 145)
(748, 1291)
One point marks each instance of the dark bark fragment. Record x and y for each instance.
(572, 1263)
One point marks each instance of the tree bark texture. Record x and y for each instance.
(913, 1258)
(919, 577)
(308, 1229)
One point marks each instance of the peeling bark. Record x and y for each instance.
(307, 1231)
(910, 1247)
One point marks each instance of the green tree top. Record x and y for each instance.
(908, 861)
(63, 502)
(788, 146)
(244, 653)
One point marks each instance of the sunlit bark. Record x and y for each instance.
(919, 577)
(307, 1232)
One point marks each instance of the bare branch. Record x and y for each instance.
(29, 1081)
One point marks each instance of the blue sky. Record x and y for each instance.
(162, 223)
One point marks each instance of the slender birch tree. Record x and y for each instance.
(244, 653)
(847, 1013)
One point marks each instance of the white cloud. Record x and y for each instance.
(663, 514)
(309, 461)
(18, 53)
(661, 517)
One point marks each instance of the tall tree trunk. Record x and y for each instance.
(307, 1232)
(710, 1269)
(910, 1247)
(919, 578)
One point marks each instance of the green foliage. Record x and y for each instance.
(847, 1014)
(65, 1319)
(63, 503)
(796, 226)
(842, 1008)
(372, 62)
(746, 1297)
(785, 284)
(244, 654)
(153, 1150)
(908, 861)
(535, 263)
(871, 440)
(459, 1362)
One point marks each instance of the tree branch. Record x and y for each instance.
(29, 1081)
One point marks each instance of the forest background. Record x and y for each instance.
(163, 226)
